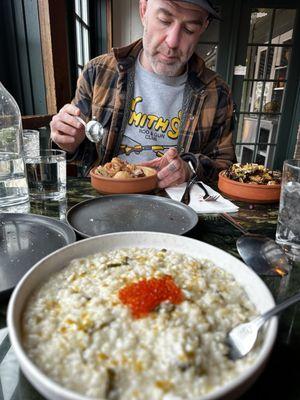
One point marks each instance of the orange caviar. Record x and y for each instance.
(144, 296)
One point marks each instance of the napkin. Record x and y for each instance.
(200, 206)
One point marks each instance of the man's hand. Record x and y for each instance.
(66, 131)
(172, 170)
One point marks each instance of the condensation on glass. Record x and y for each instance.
(269, 50)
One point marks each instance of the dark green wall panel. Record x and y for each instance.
(35, 60)
(21, 68)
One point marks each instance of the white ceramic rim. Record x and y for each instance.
(31, 371)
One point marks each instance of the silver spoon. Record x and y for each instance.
(259, 252)
(93, 129)
(242, 338)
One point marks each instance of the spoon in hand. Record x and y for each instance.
(242, 338)
(93, 129)
(259, 252)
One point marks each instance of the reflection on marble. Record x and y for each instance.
(54, 208)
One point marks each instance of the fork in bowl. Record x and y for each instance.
(242, 338)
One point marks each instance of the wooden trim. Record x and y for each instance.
(46, 43)
(35, 121)
(109, 40)
(53, 18)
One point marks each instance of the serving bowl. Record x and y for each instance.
(249, 193)
(107, 185)
(256, 290)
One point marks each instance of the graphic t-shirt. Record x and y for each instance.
(156, 109)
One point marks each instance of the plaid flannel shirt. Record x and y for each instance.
(106, 87)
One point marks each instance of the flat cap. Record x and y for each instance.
(206, 5)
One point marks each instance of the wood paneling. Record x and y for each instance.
(46, 43)
(109, 24)
(35, 121)
(136, 29)
(54, 41)
(127, 26)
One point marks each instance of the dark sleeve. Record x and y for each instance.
(84, 91)
(86, 153)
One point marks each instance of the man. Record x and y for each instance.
(158, 103)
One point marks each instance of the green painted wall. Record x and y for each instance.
(21, 69)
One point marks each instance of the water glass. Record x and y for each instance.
(288, 226)
(47, 175)
(31, 142)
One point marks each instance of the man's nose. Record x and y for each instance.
(173, 36)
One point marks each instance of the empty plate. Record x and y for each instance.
(24, 240)
(131, 212)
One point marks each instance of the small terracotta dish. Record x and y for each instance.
(250, 193)
(107, 185)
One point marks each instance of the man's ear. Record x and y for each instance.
(143, 8)
(205, 25)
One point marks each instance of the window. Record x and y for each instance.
(83, 33)
(269, 49)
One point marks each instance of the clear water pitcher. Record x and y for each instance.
(13, 183)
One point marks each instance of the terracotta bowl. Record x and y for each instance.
(247, 192)
(135, 185)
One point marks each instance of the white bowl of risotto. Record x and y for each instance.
(137, 315)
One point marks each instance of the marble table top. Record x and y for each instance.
(280, 378)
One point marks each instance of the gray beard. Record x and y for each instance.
(164, 69)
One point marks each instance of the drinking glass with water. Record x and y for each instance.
(46, 174)
(288, 226)
(31, 141)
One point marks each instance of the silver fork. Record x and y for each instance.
(242, 338)
(207, 196)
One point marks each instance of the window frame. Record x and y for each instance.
(233, 47)
(58, 43)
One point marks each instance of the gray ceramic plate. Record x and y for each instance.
(131, 212)
(26, 239)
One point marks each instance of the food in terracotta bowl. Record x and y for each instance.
(118, 176)
(250, 183)
(129, 316)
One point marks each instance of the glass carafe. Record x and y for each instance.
(13, 183)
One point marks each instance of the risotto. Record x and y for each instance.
(135, 324)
